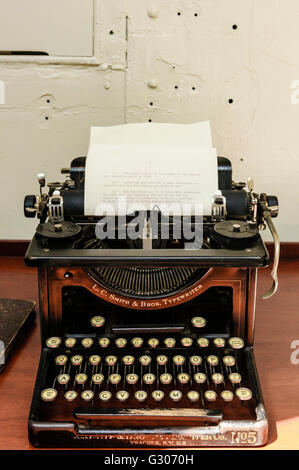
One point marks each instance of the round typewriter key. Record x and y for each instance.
(128, 360)
(169, 342)
(244, 393)
(87, 395)
(153, 342)
(53, 342)
(227, 395)
(193, 395)
(186, 342)
(70, 342)
(120, 342)
(162, 360)
(81, 378)
(158, 395)
(236, 343)
(63, 379)
(140, 395)
(229, 361)
(94, 360)
(104, 342)
(219, 342)
(210, 395)
(87, 342)
(105, 395)
(49, 394)
(97, 321)
(217, 378)
(213, 360)
(111, 360)
(198, 322)
(70, 395)
(178, 360)
(200, 378)
(61, 360)
(132, 378)
(166, 378)
(183, 378)
(122, 395)
(235, 378)
(137, 342)
(114, 378)
(195, 360)
(145, 360)
(203, 342)
(149, 378)
(76, 360)
(175, 395)
(97, 379)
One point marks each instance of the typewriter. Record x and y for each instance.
(146, 343)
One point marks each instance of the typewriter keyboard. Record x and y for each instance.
(167, 378)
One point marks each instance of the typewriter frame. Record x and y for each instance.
(238, 269)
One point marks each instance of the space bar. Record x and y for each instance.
(161, 414)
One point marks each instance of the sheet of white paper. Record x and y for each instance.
(154, 133)
(151, 176)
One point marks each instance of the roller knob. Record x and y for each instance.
(29, 206)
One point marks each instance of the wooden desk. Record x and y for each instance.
(277, 325)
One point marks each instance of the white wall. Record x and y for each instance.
(153, 50)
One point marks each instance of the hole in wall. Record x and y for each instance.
(193, 88)
(179, 13)
(46, 118)
(151, 103)
(195, 14)
(111, 32)
(149, 120)
(176, 87)
(234, 26)
(230, 101)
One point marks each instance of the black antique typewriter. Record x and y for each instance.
(146, 343)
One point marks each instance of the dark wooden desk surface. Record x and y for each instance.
(277, 325)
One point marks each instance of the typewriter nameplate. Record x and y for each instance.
(146, 304)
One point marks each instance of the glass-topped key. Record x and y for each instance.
(229, 361)
(87, 342)
(104, 342)
(94, 360)
(162, 359)
(128, 360)
(198, 322)
(76, 360)
(236, 343)
(70, 342)
(120, 342)
(195, 360)
(137, 342)
(169, 342)
(63, 379)
(49, 394)
(186, 342)
(219, 342)
(61, 360)
(53, 342)
(97, 379)
(97, 321)
(203, 342)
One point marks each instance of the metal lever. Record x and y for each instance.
(273, 289)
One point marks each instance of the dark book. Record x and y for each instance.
(16, 317)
